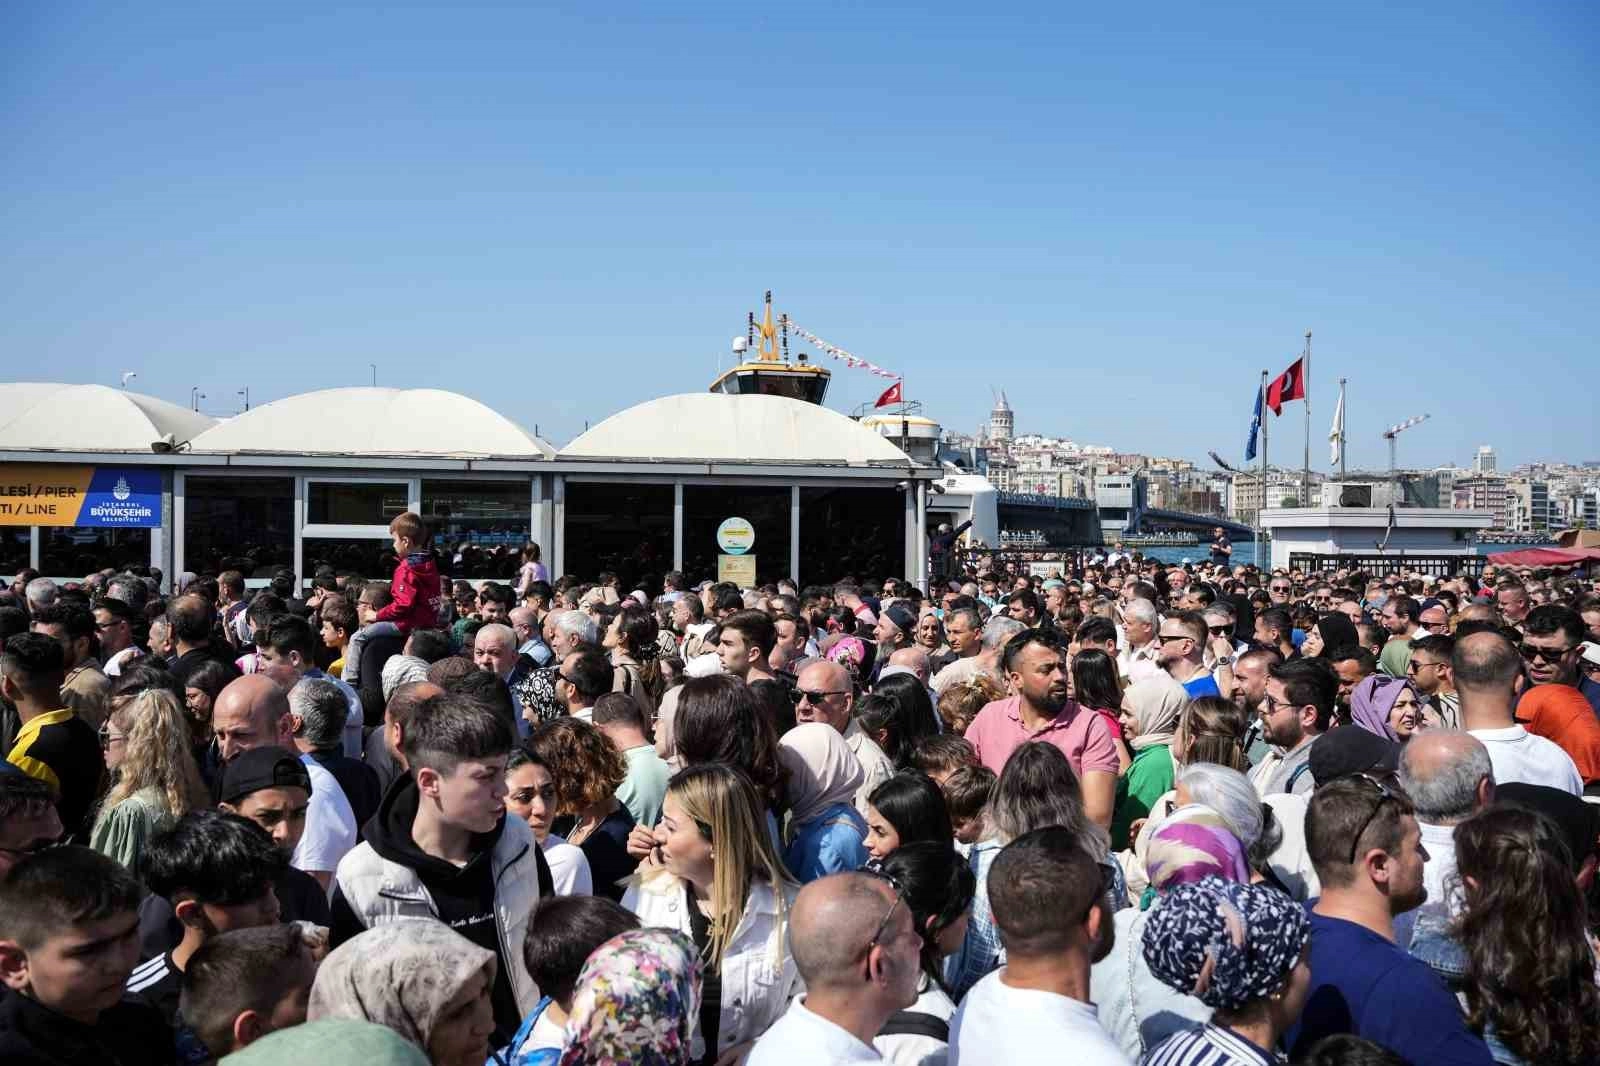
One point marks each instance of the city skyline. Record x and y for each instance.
(563, 214)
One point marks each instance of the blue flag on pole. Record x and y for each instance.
(1255, 429)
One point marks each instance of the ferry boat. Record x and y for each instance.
(769, 372)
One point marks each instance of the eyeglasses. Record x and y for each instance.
(1413, 666)
(893, 882)
(1279, 588)
(107, 737)
(1383, 795)
(1220, 631)
(101, 627)
(1532, 652)
(807, 696)
(1273, 704)
(1165, 637)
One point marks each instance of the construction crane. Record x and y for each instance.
(1394, 431)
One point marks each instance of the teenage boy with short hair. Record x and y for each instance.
(242, 985)
(441, 847)
(69, 927)
(562, 932)
(217, 870)
(53, 745)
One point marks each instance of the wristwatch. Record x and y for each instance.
(1226, 660)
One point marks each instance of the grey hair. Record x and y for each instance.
(998, 631)
(971, 615)
(41, 592)
(322, 709)
(1229, 793)
(1450, 794)
(499, 631)
(1221, 609)
(128, 588)
(578, 624)
(1140, 610)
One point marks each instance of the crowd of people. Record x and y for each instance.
(1204, 815)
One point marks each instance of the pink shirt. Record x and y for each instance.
(1079, 733)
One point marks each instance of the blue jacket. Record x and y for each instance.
(833, 842)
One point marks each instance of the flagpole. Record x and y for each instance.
(1255, 549)
(1305, 374)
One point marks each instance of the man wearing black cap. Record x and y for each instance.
(272, 788)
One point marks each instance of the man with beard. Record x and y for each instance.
(1295, 711)
(1363, 839)
(1048, 904)
(1035, 665)
(1353, 665)
(1249, 688)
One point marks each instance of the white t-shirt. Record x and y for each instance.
(801, 1038)
(1518, 755)
(330, 823)
(998, 1023)
(910, 1049)
(569, 867)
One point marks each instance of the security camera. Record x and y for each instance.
(168, 444)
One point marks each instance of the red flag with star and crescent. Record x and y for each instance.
(1289, 385)
(893, 394)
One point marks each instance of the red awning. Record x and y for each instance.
(1546, 557)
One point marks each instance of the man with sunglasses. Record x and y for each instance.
(858, 949)
(824, 694)
(1551, 639)
(1363, 839)
(1182, 640)
(1486, 667)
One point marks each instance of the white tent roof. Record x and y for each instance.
(713, 427)
(374, 422)
(50, 416)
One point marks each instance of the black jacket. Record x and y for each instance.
(129, 1034)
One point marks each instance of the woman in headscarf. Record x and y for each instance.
(1150, 712)
(1241, 951)
(1138, 1010)
(826, 833)
(635, 1002)
(1332, 632)
(420, 978)
(1386, 706)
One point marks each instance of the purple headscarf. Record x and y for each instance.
(1371, 701)
(1193, 843)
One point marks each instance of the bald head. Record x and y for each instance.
(915, 659)
(495, 649)
(832, 926)
(1447, 774)
(1485, 662)
(251, 712)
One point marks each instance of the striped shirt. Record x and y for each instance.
(1208, 1046)
(157, 982)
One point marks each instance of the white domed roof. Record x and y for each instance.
(375, 422)
(712, 427)
(50, 416)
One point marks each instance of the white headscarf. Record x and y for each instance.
(823, 771)
(1156, 702)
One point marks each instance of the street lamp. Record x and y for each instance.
(245, 392)
(127, 376)
(195, 396)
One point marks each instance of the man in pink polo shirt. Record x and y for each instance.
(1035, 663)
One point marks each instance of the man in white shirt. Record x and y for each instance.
(1049, 905)
(1486, 667)
(1142, 659)
(253, 712)
(859, 952)
(1449, 778)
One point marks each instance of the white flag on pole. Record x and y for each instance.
(1336, 434)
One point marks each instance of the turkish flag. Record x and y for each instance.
(1289, 385)
(890, 395)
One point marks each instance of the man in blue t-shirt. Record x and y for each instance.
(1182, 638)
(1362, 836)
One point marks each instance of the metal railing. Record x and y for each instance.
(1375, 563)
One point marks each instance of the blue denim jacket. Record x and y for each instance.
(1432, 943)
(833, 842)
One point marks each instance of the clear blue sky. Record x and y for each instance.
(1121, 218)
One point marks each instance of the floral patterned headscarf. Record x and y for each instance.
(636, 1002)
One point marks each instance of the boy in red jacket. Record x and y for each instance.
(415, 589)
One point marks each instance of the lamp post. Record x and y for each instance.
(374, 367)
(195, 396)
(245, 392)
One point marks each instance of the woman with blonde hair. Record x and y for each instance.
(146, 741)
(715, 876)
(960, 702)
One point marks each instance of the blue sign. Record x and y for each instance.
(126, 497)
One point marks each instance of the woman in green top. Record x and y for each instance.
(1150, 712)
(146, 741)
